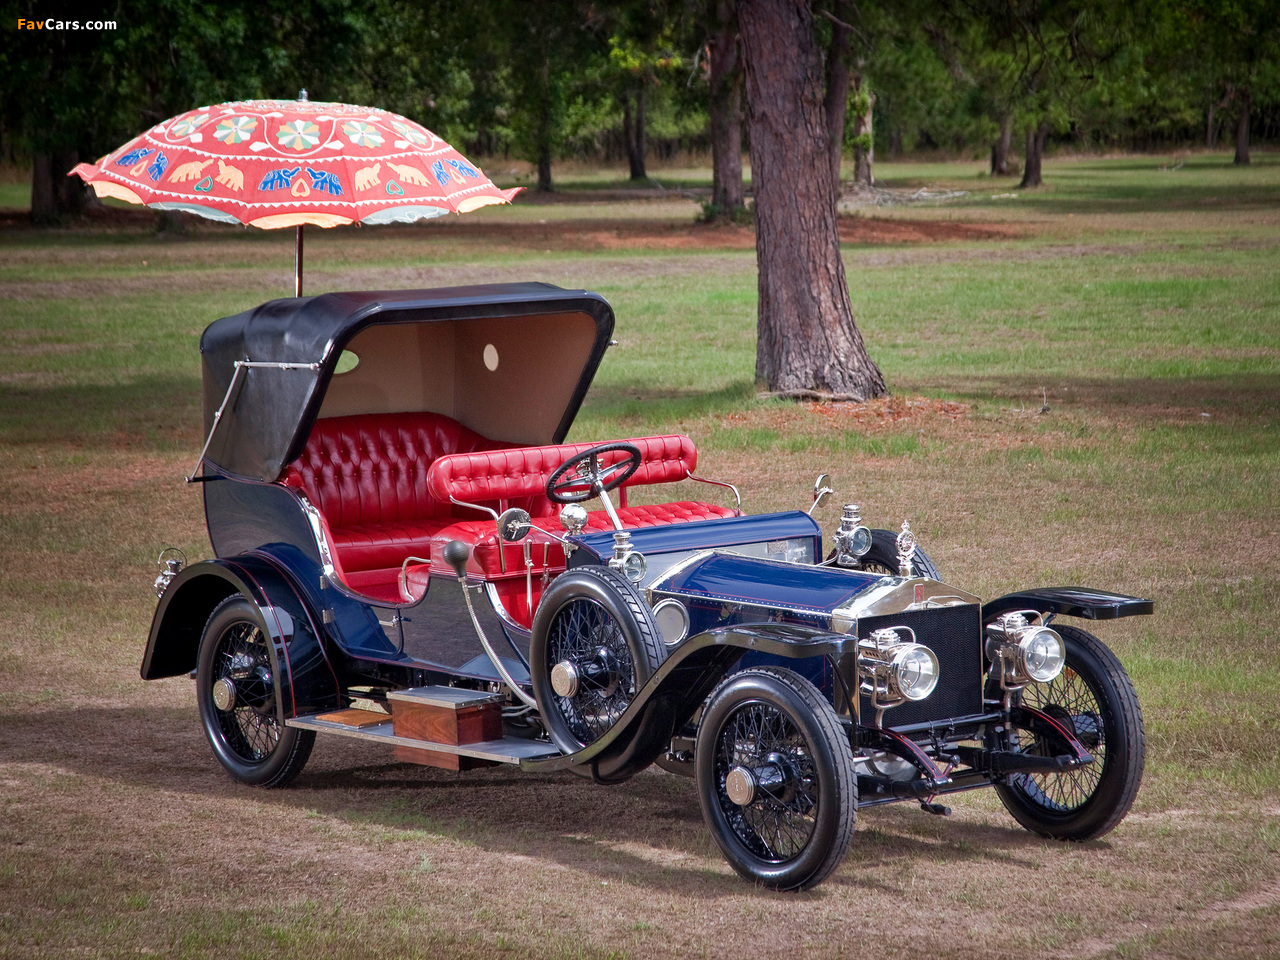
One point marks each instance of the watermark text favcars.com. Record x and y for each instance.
(66, 24)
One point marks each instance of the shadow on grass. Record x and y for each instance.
(561, 818)
(1253, 396)
(156, 413)
(637, 402)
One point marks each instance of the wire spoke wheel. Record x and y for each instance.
(594, 645)
(236, 676)
(779, 822)
(250, 727)
(585, 635)
(1095, 700)
(776, 778)
(1070, 701)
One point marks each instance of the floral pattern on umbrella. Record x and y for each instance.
(285, 163)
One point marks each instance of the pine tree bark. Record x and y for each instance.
(1242, 127)
(633, 132)
(1036, 137)
(55, 197)
(727, 195)
(1001, 146)
(807, 338)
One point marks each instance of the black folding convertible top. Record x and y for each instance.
(269, 415)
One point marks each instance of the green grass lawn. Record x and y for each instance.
(1140, 305)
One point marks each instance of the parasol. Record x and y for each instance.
(288, 163)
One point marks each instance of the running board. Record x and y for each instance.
(504, 750)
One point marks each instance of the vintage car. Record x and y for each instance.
(403, 555)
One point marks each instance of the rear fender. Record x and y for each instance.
(308, 682)
(1083, 602)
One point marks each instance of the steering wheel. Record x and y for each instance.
(581, 477)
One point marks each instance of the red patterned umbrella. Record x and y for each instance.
(287, 163)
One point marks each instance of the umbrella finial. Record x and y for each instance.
(302, 94)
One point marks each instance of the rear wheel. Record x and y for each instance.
(594, 645)
(1095, 700)
(776, 778)
(236, 691)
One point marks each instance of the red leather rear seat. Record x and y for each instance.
(383, 481)
(367, 475)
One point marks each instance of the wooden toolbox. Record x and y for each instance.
(444, 715)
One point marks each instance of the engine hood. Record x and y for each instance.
(742, 588)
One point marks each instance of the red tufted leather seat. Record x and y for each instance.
(383, 483)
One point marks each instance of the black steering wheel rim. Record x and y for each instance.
(612, 477)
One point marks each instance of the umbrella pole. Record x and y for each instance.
(297, 261)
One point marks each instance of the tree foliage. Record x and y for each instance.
(626, 79)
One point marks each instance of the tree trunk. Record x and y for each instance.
(1000, 148)
(1242, 127)
(55, 197)
(1036, 137)
(1210, 127)
(543, 135)
(863, 157)
(836, 102)
(727, 195)
(807, 339)
(633, 131)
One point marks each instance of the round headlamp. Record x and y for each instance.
(1041, 654)
(915, 671)
(860, 541)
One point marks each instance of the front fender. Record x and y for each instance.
(1084, 602)
(308, 682)
(678, 686)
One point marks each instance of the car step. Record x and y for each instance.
(438, 726)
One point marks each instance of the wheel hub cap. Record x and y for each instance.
(740, 785)
(224, 694)
(564, 679)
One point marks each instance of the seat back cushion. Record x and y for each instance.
(516, 472)
(372, 468)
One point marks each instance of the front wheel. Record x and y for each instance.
(236, 690)
(594, 645)
(776, 778)
(1095, 700)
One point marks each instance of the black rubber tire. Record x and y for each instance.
(250, 740)
(883, 557)
(779, 704)
(1094, 695)
(605, 602)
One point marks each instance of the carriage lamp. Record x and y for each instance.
(1024, 650)
(852, 539)
(630, 563)
(170, 567)
(894, 670)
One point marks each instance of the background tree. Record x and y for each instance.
(719, 21)
(807, 342)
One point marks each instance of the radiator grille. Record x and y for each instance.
(954, 634)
